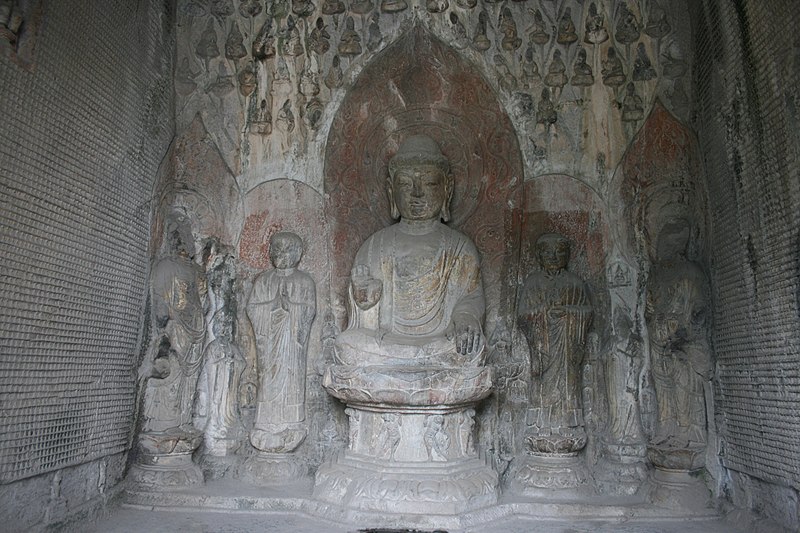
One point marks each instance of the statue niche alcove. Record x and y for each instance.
(418, 86)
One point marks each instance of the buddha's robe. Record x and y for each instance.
(429, 281)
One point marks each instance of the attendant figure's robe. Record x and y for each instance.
(178, 288)
(218, 389)
(677, 322)
(555, 315)
(282, 345)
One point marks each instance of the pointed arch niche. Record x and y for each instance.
(421, 85)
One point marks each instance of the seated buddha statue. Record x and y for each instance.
(415, 294)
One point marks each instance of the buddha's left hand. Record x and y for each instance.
(469, 336)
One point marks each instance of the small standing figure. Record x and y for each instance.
(632, 106)
(435, 438)
(350, 43)
(286, 117)
(281, 308)
(595, 27)
(554, 315)
(217, 410)
(613, 74)
(389, 437)
(566, 29)
(556, 73)
(465, 432)
(581, 71)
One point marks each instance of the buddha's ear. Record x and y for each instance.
(392, 203)
(448, 195)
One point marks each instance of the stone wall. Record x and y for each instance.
(87, 117)
(747, 82)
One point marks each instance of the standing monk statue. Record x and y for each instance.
(555, 314)
(281, 307)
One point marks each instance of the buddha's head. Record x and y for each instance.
(552, 251)
(285, 250)
(420, 183)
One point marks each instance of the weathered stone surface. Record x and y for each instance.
(409, 364)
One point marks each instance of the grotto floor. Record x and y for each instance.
(229, 507)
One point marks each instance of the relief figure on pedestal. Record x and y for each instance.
(554, 315)
(281, 308)
(416, 296)
(677, 317)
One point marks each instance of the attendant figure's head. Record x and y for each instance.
(420, 183)
(552, 251)
(285, 250)
(223, 325)
(178, 234)
(673, 239)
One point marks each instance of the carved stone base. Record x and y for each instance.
(264, 468)
(680, 489)
(218, 467)
(532, 473)
(622, 470)
(674, 458)
(407, 487)
(165, 460)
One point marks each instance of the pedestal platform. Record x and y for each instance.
(165, 460)
(410, 446)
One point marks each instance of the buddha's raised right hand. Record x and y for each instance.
(366, 289)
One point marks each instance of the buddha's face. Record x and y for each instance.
(553, 254)
(419, 191)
